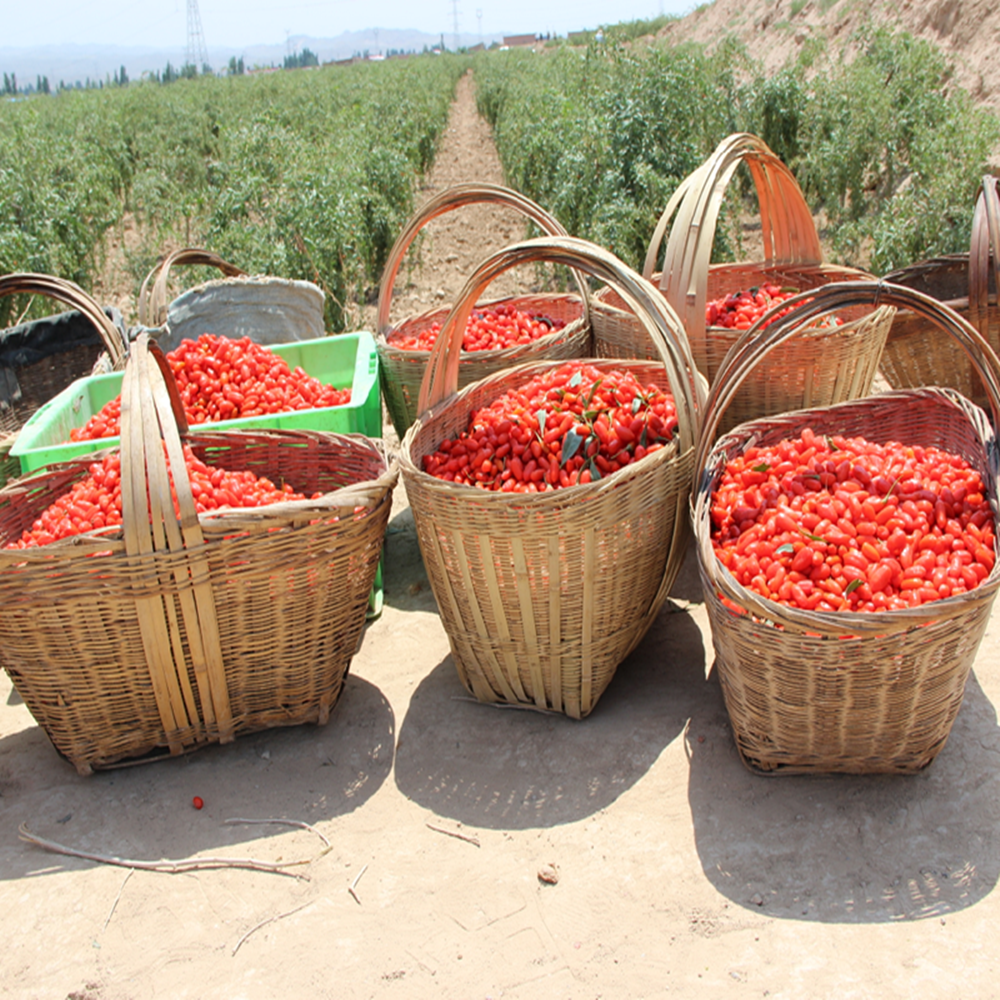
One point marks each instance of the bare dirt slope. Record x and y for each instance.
(679, 873)
(968, 31)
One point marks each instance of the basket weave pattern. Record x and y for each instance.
(543, 595)
(915, 354)
(814, 692)
(218, 624)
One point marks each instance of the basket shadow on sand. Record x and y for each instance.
(305, 773)
(844, 848)
(512, 769)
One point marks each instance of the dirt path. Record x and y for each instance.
(680, 874)
(454, 243)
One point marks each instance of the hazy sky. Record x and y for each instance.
(235, 23)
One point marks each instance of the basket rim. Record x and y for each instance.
(839, 625)
(98, 540)
(558, 497)
(553, 336)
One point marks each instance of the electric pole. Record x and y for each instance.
(196, 54)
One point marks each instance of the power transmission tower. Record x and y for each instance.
(196, 54)
(454, 11)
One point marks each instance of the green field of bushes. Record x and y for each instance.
(311, 173)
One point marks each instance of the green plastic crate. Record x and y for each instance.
(347, 359)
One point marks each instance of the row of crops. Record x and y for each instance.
(884, 144)
(312, 174)
(305, 175)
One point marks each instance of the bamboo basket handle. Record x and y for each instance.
(787, 226)
(656, 241)
(985, 236)
(151, 458)
(457, 197)
(153, 302)
(661, 323)
(74, 296)
(757, 342)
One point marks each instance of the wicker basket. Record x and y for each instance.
(402, 371)
(31, 377)
(543, 595)
(821, 367)
(171, 633)
(812, 692)
(915, 354)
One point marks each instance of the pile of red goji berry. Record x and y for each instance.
(844, 524)
(223, 379)
(572, 424)
(740, 310)
(96, 502)
(491, 329)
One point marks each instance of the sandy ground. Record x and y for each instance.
(777, 31)
(679, 873)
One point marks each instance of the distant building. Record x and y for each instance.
(511, 41)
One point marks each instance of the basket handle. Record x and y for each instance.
(457, 197)
(153, 303)
(664, 328)
(787, 225)
(151, 457)
(74, 296)
(985, 237)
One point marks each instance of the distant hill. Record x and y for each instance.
(72, 63)
(967, 31)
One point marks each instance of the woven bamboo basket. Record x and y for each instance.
(35, 381)
(543, 595)
(815, 692)
(172, 632)
(822, 366)
(915, 354)
(154, 295)
(402, 371)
